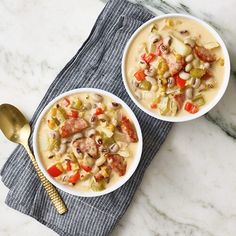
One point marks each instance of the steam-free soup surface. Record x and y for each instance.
(87, 141)
(174, 67)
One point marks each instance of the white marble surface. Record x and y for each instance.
(190, 187)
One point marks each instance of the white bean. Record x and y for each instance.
(166, 74)
(114, 148)
(97, 97)
(138, 95)
(196, 83)
(70, 157)
(155, 38)
(95, 169)
(189, 93)
(189, 42)
(114, 105)
(90, 132)
(77, 152)
(102, 117)
(54, 134)
(188, 67)
(62, 149)
(189, 58)
(101, 160)
(65, 140)
(183, 75)
(171, 82)
(88, 106)
(167, 41)
(151, 80)
(164, 49)
(124, 153)
(150, 72)
(114, 121)
(77, 136)
(206, 65)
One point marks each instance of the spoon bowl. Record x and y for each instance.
(13, 124)
(16, 128)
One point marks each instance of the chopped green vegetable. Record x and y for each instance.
(107, 140)
(179, 47)
(57, 122)
(119, 137)
(197, 72)
(53, 111)
(152, 48)
(85, 176)
(154, 28)
(98, 186)
(199, 100)
(145, 85)
(163, 105)
(51, 124)
(105, 130)
(61, 115)
(53, 143)
(76, 104)
(173, 108)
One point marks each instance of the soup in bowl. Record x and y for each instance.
(175, 67)
(87, 142)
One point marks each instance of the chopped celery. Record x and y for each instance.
(57, 122)
(74, 166)
(197, 72)
(52, 124)
(145, 85)
(145, 48)
(170, 22)
(119, 137)
(85, 176)
(199, 100)
(111, 127)
(107, 140)
(221, 61)
(162, 67)
(154, 28)
(105, 171)
(179, 47)
(211, 83)
(77, 104)
(173, 108)
(53, 143)
(98, 186)
(163, 105)
(105, 130)
(152, 48)
(53, 111)
(124, 153)
(61, 115)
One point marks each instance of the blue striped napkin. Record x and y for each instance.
(97, 64)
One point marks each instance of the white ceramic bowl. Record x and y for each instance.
(205, 108)
(122, 179)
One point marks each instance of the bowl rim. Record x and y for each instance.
(221, 90)
(123, 179)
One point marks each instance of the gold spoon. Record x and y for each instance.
(17, 129)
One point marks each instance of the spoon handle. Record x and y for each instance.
(50, 189)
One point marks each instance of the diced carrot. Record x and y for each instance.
(140, 75)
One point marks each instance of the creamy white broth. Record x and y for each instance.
(195, 30)
(127, 148)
